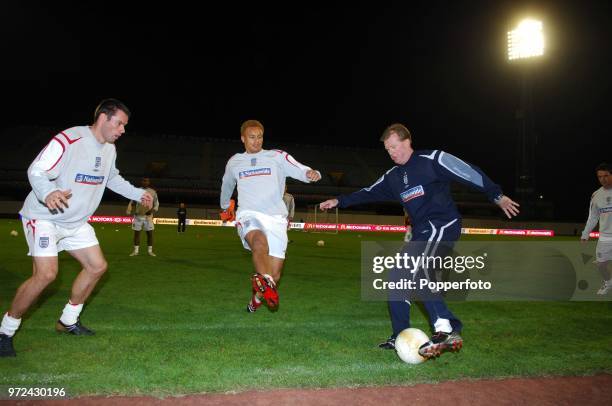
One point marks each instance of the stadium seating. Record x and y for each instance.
(190, 168)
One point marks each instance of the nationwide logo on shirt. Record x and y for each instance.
(88, 179)
(412, 193)
(255, 172)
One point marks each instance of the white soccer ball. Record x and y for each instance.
(407, 345)
(320, 243)
(14, 233)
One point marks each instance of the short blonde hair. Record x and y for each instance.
(399, 129)
(251, 123)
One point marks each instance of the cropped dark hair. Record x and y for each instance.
(604, 167)
(110, 107)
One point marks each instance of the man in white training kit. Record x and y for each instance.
(600, 210)
(261, 220)
(68, 179)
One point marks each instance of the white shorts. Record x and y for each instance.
(143, 223)
(603, 251)
(47, 239)
(274, 227)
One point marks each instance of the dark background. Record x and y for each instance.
(322, 73)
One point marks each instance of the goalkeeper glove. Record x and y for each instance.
(229, 214)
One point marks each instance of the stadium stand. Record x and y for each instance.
(187, 168)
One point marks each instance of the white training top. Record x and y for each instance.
(261, 180)
(74, 160)
(600, 210)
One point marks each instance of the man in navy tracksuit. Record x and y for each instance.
(421, 182)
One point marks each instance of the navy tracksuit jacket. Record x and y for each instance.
(422, 185)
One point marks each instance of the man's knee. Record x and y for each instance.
(259, 243)
(98, 269)
(46, 274)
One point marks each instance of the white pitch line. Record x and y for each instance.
(225, 326)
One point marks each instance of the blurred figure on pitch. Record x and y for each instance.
(600, 211)
(181, 213)
(290, 203)
(420, 180)
(408, 225)
(143, 219)
(261, 220)
(68, 179)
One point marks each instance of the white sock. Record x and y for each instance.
(136, 248)
(150, 248)
(9, 325)
(71, 313)
(443, 325)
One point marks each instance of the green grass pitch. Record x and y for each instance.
(176, 323)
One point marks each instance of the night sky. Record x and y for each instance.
(333, 74)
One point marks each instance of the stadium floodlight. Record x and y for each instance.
(526, 40)
(526, 43)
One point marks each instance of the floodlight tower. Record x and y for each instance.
(525, 44)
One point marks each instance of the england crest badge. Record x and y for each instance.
(43, 242)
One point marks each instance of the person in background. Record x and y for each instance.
(143, 219)
(600, 211)
(290, 203)
(181, 213)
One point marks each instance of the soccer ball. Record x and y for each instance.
(407, 345)
(320, 243)
(14, 233)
